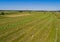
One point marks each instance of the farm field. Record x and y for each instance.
(30, 27)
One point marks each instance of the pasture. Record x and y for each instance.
(30, 27)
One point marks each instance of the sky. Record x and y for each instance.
(29, 4)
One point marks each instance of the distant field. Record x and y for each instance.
(34, 27)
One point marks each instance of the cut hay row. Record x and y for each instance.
(4, 35)
(17, 15)
(8, 30)
(32, 31)
(32, 28)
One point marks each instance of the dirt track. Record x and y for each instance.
(17, 15)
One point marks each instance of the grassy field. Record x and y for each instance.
(35, 27)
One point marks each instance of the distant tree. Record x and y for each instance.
(59, 11)
(2, 13)
(20, 11)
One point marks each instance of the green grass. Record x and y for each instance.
(37, 27)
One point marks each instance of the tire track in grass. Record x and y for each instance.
(14, 19)
(32, 38)
(23, 20)
(44, 35)
(12, 30)
(30, 30)
(5, 26)
(24, 34)
(19, 25)
(10, 27)
(23, 38)
(58, 26)
(41, 36)
(45, 39)
(51, 36)
(14, 22)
